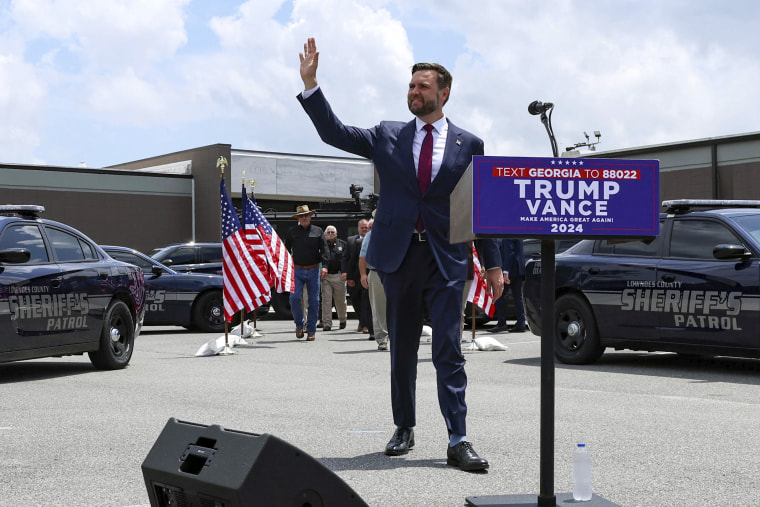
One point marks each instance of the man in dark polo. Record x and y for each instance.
(333, 285)
(308, 246)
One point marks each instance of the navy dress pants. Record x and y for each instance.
(416, 284)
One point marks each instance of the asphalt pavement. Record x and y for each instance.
(662, 429)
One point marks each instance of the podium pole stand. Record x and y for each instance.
(546, 495)
(546, 486)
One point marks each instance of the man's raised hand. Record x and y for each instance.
(309, 63)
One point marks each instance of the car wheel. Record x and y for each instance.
(208, 313)
(117, 338)
(576, 336)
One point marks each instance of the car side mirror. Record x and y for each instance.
(15, 256)
(157, 270)
(723, 252)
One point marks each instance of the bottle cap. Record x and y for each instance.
(581, 445)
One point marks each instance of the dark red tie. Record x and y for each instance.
(425, 167)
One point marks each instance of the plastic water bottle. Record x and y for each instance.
(581, 474)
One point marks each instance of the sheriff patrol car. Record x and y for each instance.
(693, 289)
(191, 300)
(61, 294)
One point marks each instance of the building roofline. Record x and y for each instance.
(707, 141)
(300, 155)
(88, 170)
(168, 155)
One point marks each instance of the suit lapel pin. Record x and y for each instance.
(459, 142)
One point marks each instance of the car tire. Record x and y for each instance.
(117, 338)
(576, 338)
(208, 313)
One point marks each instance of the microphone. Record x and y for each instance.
(538, 107)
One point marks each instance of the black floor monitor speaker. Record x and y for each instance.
(193, 465)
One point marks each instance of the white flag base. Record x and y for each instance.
(489, 343)
(217, 346)
(469, 346)
(227, 351)
(245, 330)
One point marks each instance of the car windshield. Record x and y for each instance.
(161, 252)
(750, 224)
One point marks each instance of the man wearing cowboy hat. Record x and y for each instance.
(308, 246)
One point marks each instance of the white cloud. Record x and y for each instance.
(134, 33)
(365, 55)
(640, 72)
(22, 92)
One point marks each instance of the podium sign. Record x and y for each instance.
(557, 197)
(553, 198)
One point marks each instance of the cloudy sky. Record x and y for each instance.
(105, 82)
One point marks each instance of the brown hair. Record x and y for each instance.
(444, 77)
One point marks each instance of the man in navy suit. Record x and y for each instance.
(418, 266)
(513, 265)
(513, 260)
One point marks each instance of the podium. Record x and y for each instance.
(553, 198)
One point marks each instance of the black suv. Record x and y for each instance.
(191, 257)
(694, 289)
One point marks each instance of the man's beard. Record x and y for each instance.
(426, 108)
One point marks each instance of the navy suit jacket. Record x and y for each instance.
(389, 146)
(350, 261)
(512, 257)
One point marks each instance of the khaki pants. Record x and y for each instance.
(333, 287)
(377, 302)
(467, 286)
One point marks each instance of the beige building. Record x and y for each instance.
(175, 197)
(715, 168)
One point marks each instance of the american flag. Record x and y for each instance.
(262, 236)
(479, 293)
(245, 286)
(253, 239)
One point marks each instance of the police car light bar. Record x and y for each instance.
(24, 210)
(686, 204)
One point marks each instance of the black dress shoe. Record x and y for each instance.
(518, 329)
(343, 325)
(326, 328)
(401, 442)
(464, 456)
(498, 328)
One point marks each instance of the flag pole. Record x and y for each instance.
(221, 162)
(255, 333)
(243, 334)
(473, 321)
